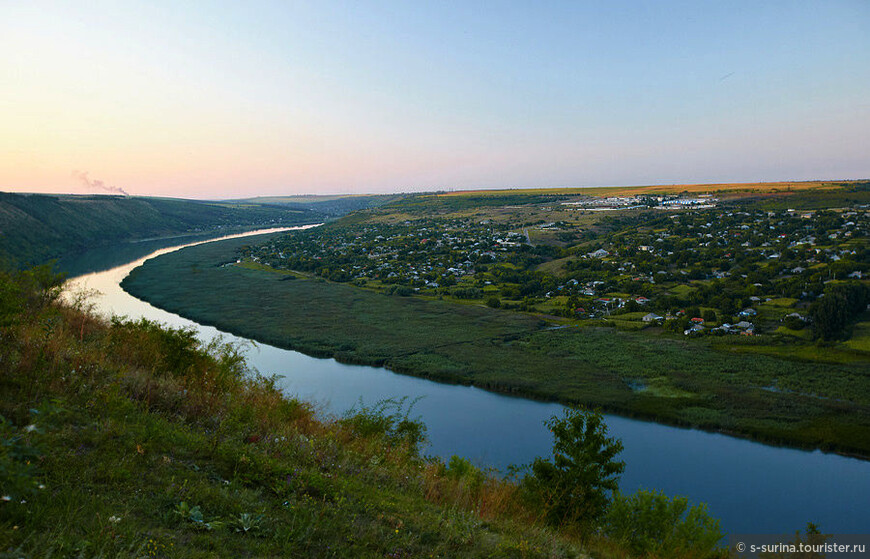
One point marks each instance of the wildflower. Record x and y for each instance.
(114, 519)
(5, 498)
(41, 486)
(30, 428)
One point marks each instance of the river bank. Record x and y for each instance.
(124, 438)
(749, 485)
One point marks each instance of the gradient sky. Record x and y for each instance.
(225, 99)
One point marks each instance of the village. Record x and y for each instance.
(699, 269)
(665, 202)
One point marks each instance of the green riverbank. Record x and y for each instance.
(668, 379)
(123, 439)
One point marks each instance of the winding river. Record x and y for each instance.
(751, 487)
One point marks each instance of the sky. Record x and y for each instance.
(236, 99)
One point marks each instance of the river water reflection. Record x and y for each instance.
(751, 487)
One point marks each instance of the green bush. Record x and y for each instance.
(648, 522)
(462, 470)
(388, 419)
(467, 293)
(177, 352)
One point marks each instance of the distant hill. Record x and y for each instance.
(742, 189)
(35, 228)
(333, 206)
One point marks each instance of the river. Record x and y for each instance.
(751, 487)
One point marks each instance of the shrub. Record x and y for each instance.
(649, 522)
(30, 290)
(462, 470)
(178, 353)
(388, 419)
(493, 302)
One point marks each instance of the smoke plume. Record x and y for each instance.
(82, 177)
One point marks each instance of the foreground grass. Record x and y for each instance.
(688, 382)
(125, 439)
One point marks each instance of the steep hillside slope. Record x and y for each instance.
(35, 228)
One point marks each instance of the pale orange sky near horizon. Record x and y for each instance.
(219, 101)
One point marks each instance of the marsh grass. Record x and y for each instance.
(723, 384)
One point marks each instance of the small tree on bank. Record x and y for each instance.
(575, 487)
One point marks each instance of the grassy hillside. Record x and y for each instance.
(684, 381)
(442, 202)
(331, 205)
(746, 188)
(35, 228)
(126, 439)
(810, 194)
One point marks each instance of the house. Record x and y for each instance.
(697, 320)
(652, 317)
(795, 315)
(693, 329)
(642, 300)
(600, 253)
(748, 312)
